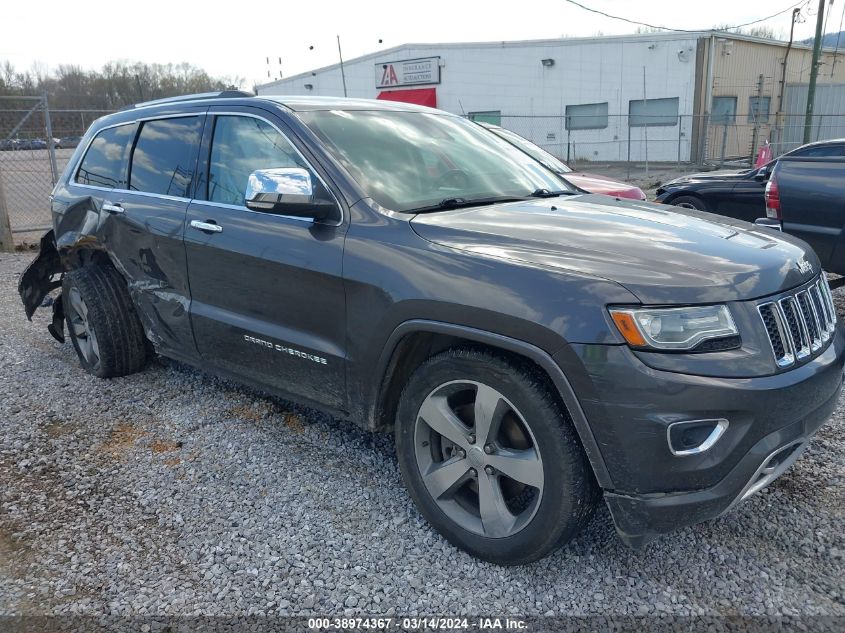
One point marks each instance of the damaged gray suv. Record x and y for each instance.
(533, 349)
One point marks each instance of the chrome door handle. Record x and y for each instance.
(211, 227)
(113, 208)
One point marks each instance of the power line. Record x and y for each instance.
(666, 28)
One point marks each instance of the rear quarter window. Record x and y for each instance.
(165, 156)
(104, 164)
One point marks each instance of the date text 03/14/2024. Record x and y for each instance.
(418, 623)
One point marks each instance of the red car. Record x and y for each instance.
(593, 183)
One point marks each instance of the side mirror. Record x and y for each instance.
(288, 191)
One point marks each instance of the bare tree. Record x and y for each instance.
(116, 84)
(765, 32)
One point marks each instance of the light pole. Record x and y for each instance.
(340, 58)
(342, 74)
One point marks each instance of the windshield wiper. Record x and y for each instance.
(545, 193)
(461, 203)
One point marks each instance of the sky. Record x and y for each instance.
(235, 39)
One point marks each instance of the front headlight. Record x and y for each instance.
(675, 328)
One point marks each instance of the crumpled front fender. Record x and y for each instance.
(38, 280)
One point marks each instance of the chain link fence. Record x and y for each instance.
(36, 141)
(684, 142)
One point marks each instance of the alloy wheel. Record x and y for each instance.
(86, 339)
(478, 458)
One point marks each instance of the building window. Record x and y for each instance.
(586, 116)
(651, 112)
(724, 111)
(494, 117)
(758, 109)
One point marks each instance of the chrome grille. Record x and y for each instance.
(827, 296)
(796, 325)
(809, 315)
(800, 323)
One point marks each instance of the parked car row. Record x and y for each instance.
(760, 195)
(591, 183)
(737, 194)
(13, 144)
(801, 192)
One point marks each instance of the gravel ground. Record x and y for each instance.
(170, 492)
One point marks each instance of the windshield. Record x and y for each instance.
(534, 151)
(407, 161)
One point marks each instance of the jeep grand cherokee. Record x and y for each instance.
(533, 349)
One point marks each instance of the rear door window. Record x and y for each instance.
(165, 156)
(104, 164)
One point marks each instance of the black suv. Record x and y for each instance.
(532, 348)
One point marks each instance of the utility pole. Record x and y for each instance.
(780, 118)
(795, 13)
(645, 129)
(814, 73)
(342, 74)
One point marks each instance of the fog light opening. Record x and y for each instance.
(693, 437)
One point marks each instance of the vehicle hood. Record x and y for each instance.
(595, 183)
(662, 254)
(713, 176)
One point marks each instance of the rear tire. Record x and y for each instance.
(104, 328)
(690, 202)
(491, 459)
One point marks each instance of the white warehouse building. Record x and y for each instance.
(659, 97)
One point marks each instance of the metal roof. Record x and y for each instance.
(434, 47)
(307, 102)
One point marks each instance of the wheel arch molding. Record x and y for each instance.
(391, 377)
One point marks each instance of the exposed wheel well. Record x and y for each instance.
(410, 352)
(81, 257)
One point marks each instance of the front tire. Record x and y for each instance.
(690, 202)
(104, 328)
(490, 458)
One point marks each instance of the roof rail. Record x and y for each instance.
(225, 94)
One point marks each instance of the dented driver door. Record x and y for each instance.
(150, 216)
(128, 196)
